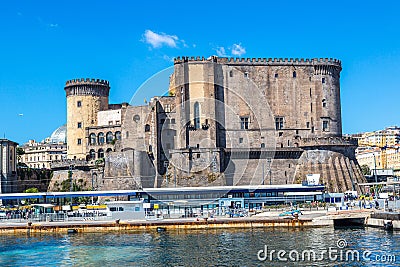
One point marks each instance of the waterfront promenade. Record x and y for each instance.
(266, 219)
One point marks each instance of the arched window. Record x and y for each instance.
(109, 150)
(92, 154)
(294, 74)
(196, 115)
(147, 128)
(118, 135)
(109, 137)
(92, 139)
(100, 138)
(262, 145)
(100, 153)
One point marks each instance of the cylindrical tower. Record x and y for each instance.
(85, 98)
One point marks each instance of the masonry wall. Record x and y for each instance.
(85, 98)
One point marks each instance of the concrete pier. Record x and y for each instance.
(263, 220)
(143, 225)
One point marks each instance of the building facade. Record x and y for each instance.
(380, 149)
(387, 137)
(39, 155)
(226, 122)
(8, 166)
(106, 135)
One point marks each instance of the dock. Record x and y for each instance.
(367, 217)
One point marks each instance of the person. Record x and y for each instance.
(376, 204)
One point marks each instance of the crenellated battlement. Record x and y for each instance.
(86, 86)
(260, 61)
(86, 81)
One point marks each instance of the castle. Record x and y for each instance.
(225, 121)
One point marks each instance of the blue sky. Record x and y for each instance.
(45, 43)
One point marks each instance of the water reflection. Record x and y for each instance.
(191, 248)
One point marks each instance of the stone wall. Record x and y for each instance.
(33, 178)
(61, 180)
(338, 172)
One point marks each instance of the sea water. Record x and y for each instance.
(213, 247)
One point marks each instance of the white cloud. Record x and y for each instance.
(168, 58)
(221, 51)
(53, 25)
(157, 40)
(184, 44)
(238, 50)
(234, 50)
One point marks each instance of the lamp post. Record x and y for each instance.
(71, 167)
(166, 171)
(94, 174)
(376, 178)
(269, 170)
(263, 173)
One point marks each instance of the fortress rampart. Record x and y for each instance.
(93, 87)
(262, 61)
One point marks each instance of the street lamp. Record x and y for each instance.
(376, 178)
(269, 170)
(166, 171)
(263, 173)
(71, 167)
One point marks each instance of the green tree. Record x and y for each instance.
(20, 152)
(365, 169)
(31, 190)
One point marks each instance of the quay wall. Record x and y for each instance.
(381, 222)
(85, 227)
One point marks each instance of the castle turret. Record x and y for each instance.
(85, 98)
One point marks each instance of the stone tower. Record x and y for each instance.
(265, 121)
(85, 98)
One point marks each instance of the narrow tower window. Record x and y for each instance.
(323, 80)
(294, 74)
(196, 115)
(182, 97)
(79, 104)
(244, 123)
(278, 123)
(325, 126)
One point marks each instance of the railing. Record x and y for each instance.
(56, 217)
